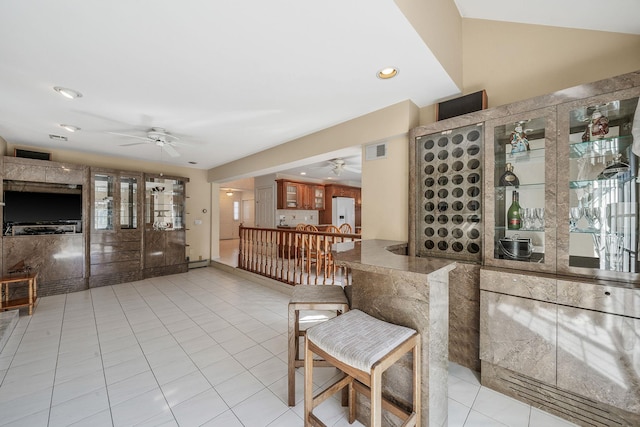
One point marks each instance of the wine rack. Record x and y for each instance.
(449, 194)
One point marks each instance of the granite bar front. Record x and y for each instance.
(407, 291)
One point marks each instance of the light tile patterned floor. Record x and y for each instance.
(203, 348)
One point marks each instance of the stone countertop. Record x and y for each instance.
(375, 254)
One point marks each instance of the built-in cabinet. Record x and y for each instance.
(560, 280)
(578, 340)
(116, 243)
(164, 229)
(116, 226)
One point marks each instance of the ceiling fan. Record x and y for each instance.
(340, 165)
(158, 136)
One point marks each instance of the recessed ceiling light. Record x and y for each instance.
(387, 73)
(70, 128)
(303, 173)
(193, 163)
(67, 93)
(57, 137)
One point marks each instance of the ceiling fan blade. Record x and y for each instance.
(130, 136)
(170, 150)
(134, 143)
(352, 169)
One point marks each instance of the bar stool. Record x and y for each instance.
(362, 347)
(309, 297)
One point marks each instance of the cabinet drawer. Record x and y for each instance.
(521, 285)
(608, 299)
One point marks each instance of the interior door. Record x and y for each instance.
(265, 212)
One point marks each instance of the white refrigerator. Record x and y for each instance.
(344, 211)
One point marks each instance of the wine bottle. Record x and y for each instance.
(514, 220)
(509, 178)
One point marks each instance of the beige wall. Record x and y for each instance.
(517, 61)
(198, 191)
(439, 24)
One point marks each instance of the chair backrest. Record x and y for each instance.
(345, 228)
(332, 229)
(310, 227)
(301, 227)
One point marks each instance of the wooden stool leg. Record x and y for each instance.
(293, 351)
(376, 398)
(352, 403)
(308, 384)
(30, 286)
(417, 375)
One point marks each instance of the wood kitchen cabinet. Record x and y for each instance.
(300, 195)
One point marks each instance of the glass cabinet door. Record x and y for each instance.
(520, 188)
(128, 202)
(164, 200)
(598, 204)
(103, 189)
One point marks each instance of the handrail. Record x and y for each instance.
(291, 256)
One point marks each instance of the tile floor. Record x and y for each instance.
(203, 348)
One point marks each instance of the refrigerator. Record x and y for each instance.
(344, 211)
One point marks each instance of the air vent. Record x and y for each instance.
(376, 151)
(27, 154)
(57, 137)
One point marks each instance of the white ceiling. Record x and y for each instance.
(227, 78)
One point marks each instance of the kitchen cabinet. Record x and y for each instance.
(294, 195)
(300, 195)
(317, 197)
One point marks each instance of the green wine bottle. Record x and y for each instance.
(514, 220)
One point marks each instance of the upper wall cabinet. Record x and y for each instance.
(598, 186)
(520, 203)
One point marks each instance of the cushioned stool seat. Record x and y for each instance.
(309, 297)
(363, 347)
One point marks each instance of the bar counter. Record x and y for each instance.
(407, 291)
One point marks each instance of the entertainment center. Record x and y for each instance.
(80, 227)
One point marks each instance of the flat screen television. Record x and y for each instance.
(27, 207)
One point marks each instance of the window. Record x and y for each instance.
(236, 210)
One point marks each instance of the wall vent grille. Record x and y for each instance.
(376, 151)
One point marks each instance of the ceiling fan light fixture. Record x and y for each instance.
(70, 128)
(67, 93)
(387, 73)
(229, 193)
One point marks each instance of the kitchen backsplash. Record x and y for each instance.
(294, 217)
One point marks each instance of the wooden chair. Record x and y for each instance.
(310, 227)
(333, 229)
(301, 227)
(309, 297)
(363, 358)
(345, 228)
